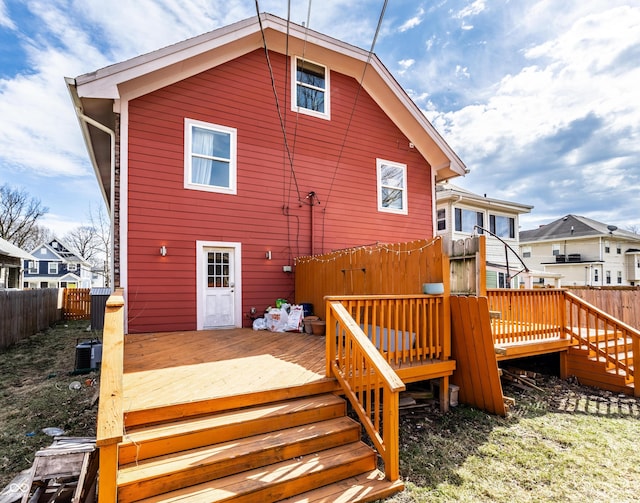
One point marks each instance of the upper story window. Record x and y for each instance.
(442, 219)
(43, 251)
(210, 157)
(607, 248)
(310, 88)
(466, 220)
(501, 226)
(72, 267)
(555, 249)
(618, 249)
(392, 187)
(53, 268)
(33, 267)
(526, 251)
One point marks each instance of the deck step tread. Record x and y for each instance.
(173, 471)
(155, 440)
(280, 480)
(368, 486)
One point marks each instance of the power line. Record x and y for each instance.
(351, 115)
(275, 95)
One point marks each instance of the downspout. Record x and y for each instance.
(112, 135)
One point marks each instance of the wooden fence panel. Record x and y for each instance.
(381, 269)
(472, 348)
(623, 304)
(76, 304)
(25, 312)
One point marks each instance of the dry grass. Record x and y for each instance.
(569, 443)
(34, 394)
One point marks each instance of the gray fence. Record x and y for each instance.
(25, 312)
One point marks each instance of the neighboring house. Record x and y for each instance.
(584, 251)
(221, 166)
(55, 266)
(11, 269)
(461, 214)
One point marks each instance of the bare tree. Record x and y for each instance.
(635, 228)
(92, 242)
(19, 214)
(83, 241)
(37, 236)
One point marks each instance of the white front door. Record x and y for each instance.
(217, 293)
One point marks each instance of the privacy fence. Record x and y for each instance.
(621, 303)
(25, 312)
(380, 269)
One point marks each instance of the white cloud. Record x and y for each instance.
(472, 10)
(5, 20)
(413, 21)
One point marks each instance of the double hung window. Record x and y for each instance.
(210, 157)
(310, 88)
(392, 187)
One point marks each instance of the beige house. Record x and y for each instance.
(585, 252)
(11, 271)
(461, 214)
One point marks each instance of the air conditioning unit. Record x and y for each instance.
(88, 356)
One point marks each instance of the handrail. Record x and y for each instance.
(110, 427)
(363, 373)
(540, 314)
(604, 335)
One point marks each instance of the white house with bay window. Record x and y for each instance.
(461, 214)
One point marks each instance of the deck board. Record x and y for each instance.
(171, 368)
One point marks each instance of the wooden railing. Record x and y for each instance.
(530, 316)
(604, 336)
(405, 328)
(370, 384)
(522, 316)
(110, 426)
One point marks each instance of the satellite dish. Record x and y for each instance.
(612, 228)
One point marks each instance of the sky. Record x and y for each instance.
(539, 98)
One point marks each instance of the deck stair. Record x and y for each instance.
(595, 358)
(299, 449)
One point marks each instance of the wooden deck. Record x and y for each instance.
(173, 368)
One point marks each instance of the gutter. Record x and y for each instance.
(84, 121)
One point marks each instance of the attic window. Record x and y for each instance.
(310, 88)
(210, 157)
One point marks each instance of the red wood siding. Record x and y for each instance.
(266, 213)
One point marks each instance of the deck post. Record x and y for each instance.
(444, 394)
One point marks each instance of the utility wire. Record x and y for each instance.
(351, 115)
(275, 95)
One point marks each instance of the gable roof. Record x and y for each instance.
(11, 250)
(448, 192)
(97, 95)
(61, 251)
(575, 226)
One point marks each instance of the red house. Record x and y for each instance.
(224, 157)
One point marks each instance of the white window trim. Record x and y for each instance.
(52, 268)
(233, 154)
(405, 206)
(72, 266)
(294, 90)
